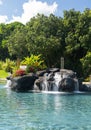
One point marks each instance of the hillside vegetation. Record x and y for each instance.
(53, 37)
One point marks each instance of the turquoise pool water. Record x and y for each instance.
(42, 111)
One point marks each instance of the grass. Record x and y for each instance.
(3, 74)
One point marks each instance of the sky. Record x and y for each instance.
(23, 10)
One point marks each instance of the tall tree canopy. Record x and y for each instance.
(42, 37)
(53, 37)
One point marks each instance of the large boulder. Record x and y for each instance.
(65, 73)
(85, 87)
(41, 84)
(67, 85)
(23, 83)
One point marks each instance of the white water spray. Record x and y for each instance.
(8, 84)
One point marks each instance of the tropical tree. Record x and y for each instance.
(52, 37)
(77, 37)
(42, 37)
(16, 43)
(86, 64)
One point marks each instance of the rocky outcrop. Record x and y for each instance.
(23, 83)
(67, 85)
(52, 79)
(85, 87)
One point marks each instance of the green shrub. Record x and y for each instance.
(1, 65)
(3, 74)
(33, 63)
(87, 79)
(9, 65)
(86, 64)
(30, 69)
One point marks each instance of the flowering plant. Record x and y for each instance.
(20, 72)
(30, 69)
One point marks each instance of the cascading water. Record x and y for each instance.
(8, 84)
(57, 79)
(76, 85)
(54, 84)
(51, 85)
(44, 85)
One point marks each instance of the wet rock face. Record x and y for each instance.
(85, 88)
(52, 79)
(67, 84)
(23, 84)
(41, 84)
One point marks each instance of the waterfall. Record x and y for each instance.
(44, 85)
(55, 87)
(57, 79)
(76, 84)
(8, 84)
(51, 85)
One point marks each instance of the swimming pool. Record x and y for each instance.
(44, 111)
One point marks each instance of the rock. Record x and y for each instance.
(49, 70)
(67, 73)
(85, 88)
(23, 84)
(42, 84)
(52, 70)
(52, 79)
(67, 84)
(41, 73)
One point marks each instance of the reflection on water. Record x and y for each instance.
(42, 111)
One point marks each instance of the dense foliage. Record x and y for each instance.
(33, 63)
(53, 37)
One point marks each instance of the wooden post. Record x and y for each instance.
(62, 62)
